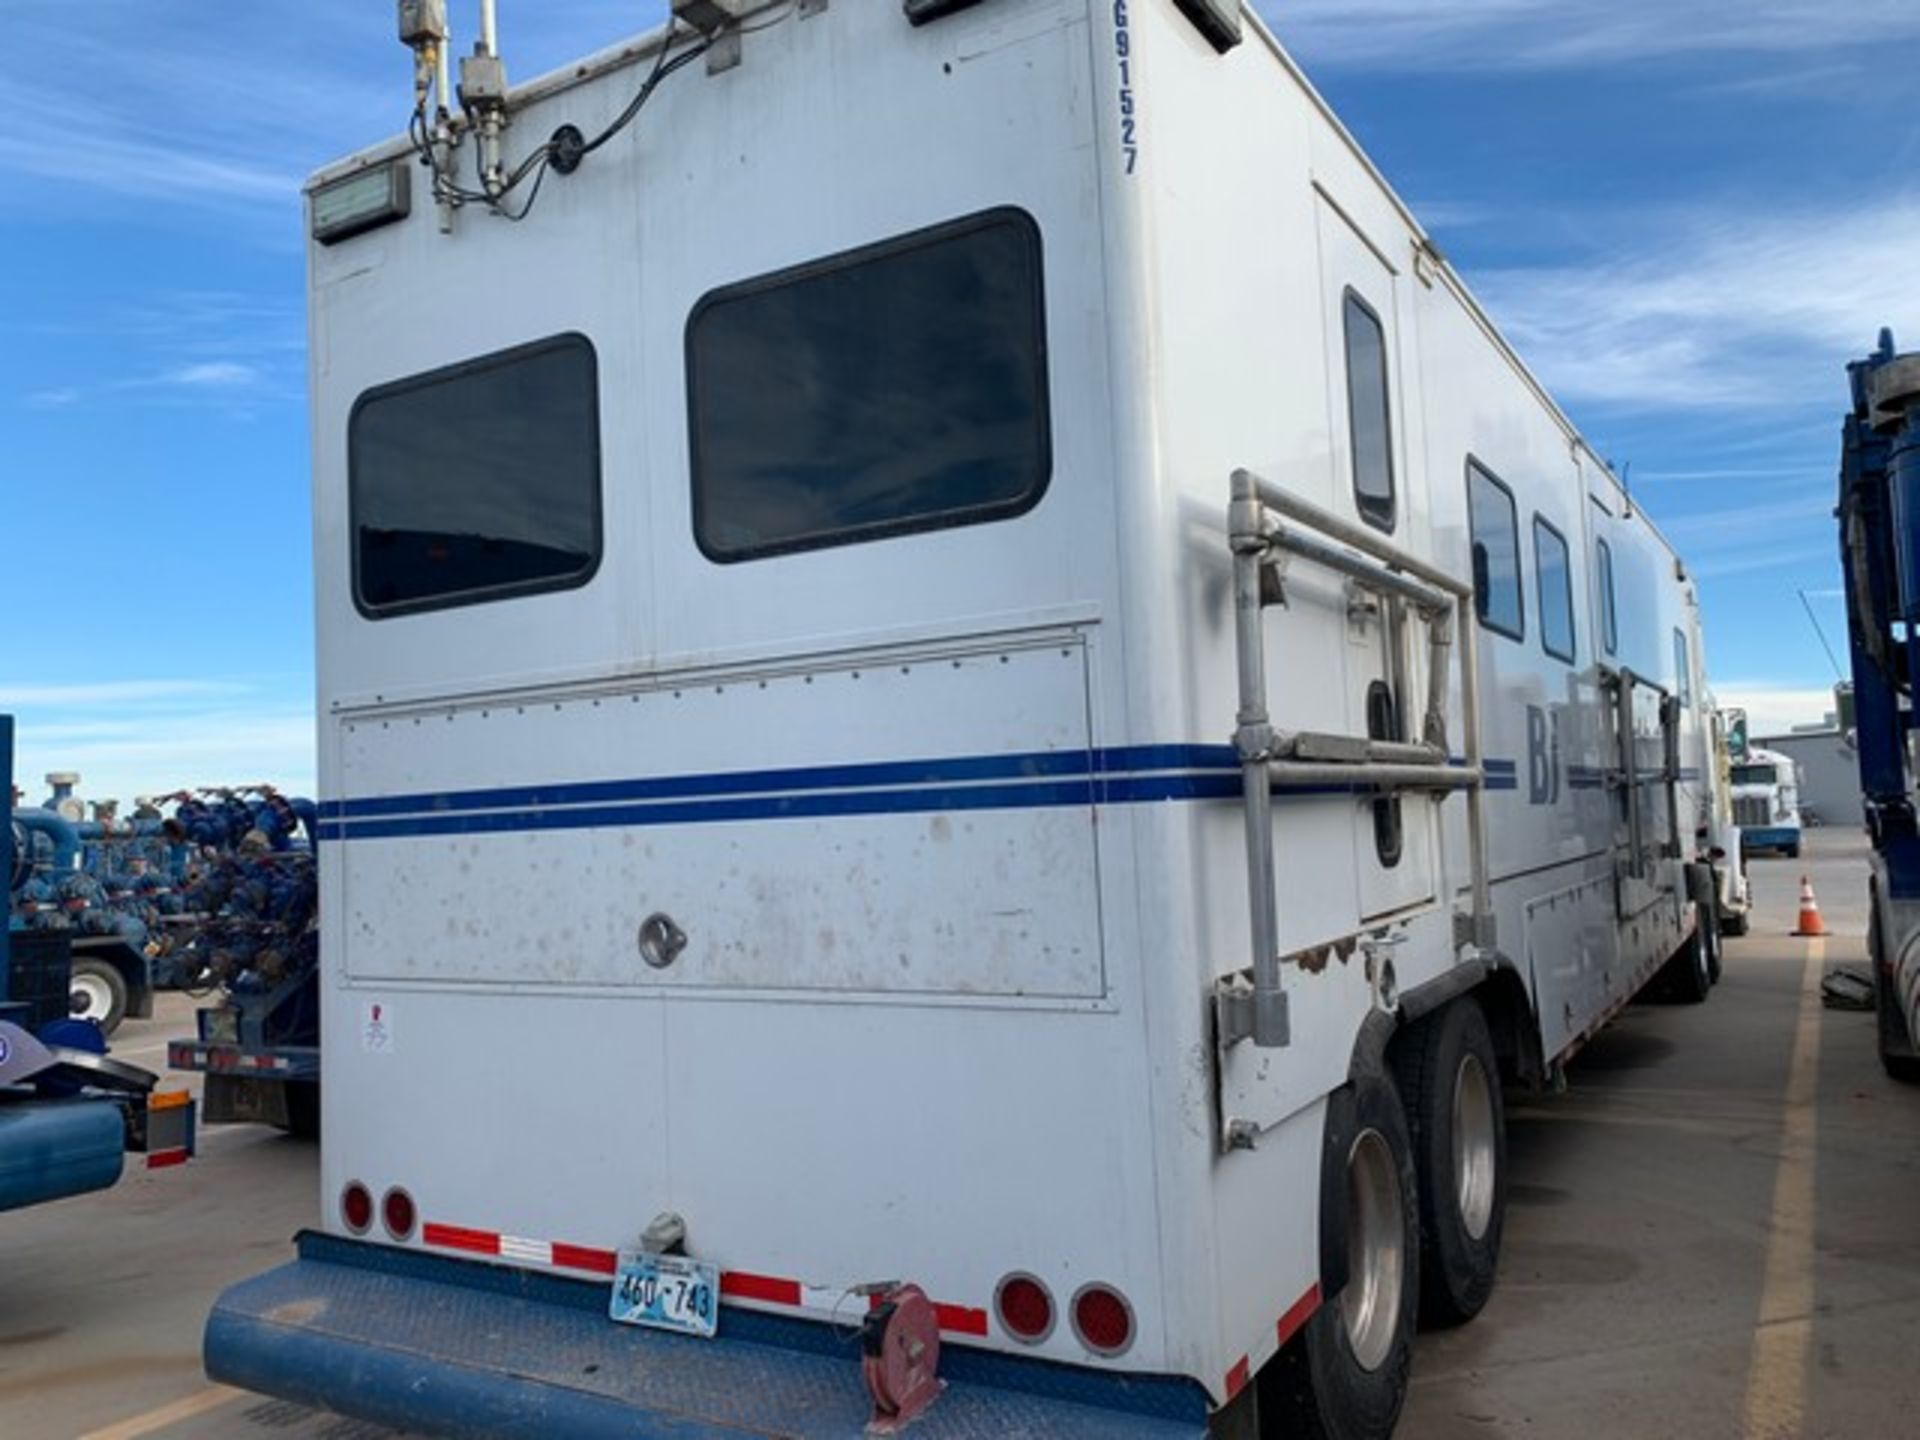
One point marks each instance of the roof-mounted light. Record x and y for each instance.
(1218, 20)
(362, 201)
(921, 11)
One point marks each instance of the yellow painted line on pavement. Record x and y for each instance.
(199, 1403)
(1776, 1406)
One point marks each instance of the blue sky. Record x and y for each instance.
(1686, 213)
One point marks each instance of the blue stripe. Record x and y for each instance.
(1037, 780)
(1030, 765)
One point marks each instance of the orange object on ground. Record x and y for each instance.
(1810, 922)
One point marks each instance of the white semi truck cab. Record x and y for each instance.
(1766, 801)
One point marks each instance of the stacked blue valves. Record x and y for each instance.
(220, 882)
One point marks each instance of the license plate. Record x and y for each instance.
(667, 1292)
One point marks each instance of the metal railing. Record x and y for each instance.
(1263, 524)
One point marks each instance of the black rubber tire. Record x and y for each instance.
(1456, 1269)
(1793, 852)
(1687, 978)
(1315, 1388)
(1735, 923)
(109, 976)
(303, 1109)
(1710, 917)
(1889, 1027)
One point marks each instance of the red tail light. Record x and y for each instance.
(356, 1207)
(1025, 1308)
(1102, 1319)
(396, 1209)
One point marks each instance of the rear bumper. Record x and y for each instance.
(288, 1062)
(50, 1149)
(454, 1347)
(1768, 837)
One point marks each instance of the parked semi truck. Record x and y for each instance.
(1879, 515)
(69, 1112)
(971, 717)
(1766, 801)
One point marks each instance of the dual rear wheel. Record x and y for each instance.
(1423, 1155)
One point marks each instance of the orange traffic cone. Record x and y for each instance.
(1810, 922)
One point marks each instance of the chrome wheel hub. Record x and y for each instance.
(91, 999)
(1376, 1250)
(1475, 1156)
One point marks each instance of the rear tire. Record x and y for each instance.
(1735, 924)
(1344, 1376)
(1456, 1115)
(303, 1109)
(1904, 1068)
(1688, 976)
(99, 993)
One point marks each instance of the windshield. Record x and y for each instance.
(1754, 775)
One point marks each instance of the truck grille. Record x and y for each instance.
(1752, 810)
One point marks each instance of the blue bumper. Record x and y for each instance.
(1769, 837)
(50, 1149)
(443, 1346)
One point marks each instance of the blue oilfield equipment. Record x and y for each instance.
(1879, 515)
(259, 1045)
(69, 1113)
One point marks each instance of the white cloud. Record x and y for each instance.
(114, 692)
(219, 373)
(1774, 709)
(1733, 310)
(159, 754)
(154, 735)
(1537, 34)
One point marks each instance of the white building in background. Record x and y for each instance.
(1829, 771)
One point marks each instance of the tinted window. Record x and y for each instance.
(1609, 624)
(896, 388)
(1553, 571)
(1383, 723)
(1368, 413)
(477, 481)
(1495, 527)
(1754, 775)
(1682, 669)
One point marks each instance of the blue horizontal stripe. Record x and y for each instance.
(1030, 765)
(1037, 780)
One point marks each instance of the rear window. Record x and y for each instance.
(477, 482)
(1754, 775)
(896, 388)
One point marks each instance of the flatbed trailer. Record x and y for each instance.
(970, 714)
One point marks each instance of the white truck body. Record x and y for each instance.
(948, 820)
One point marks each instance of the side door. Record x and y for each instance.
(1395, 841)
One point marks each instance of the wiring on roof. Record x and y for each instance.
(564, 150)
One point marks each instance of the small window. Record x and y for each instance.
(1682, 668)
(477, 482)
(1553, 572)
(897, 388)
(1609, 623)
(1369, 413)
(1494, 523)
(1383, 723)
